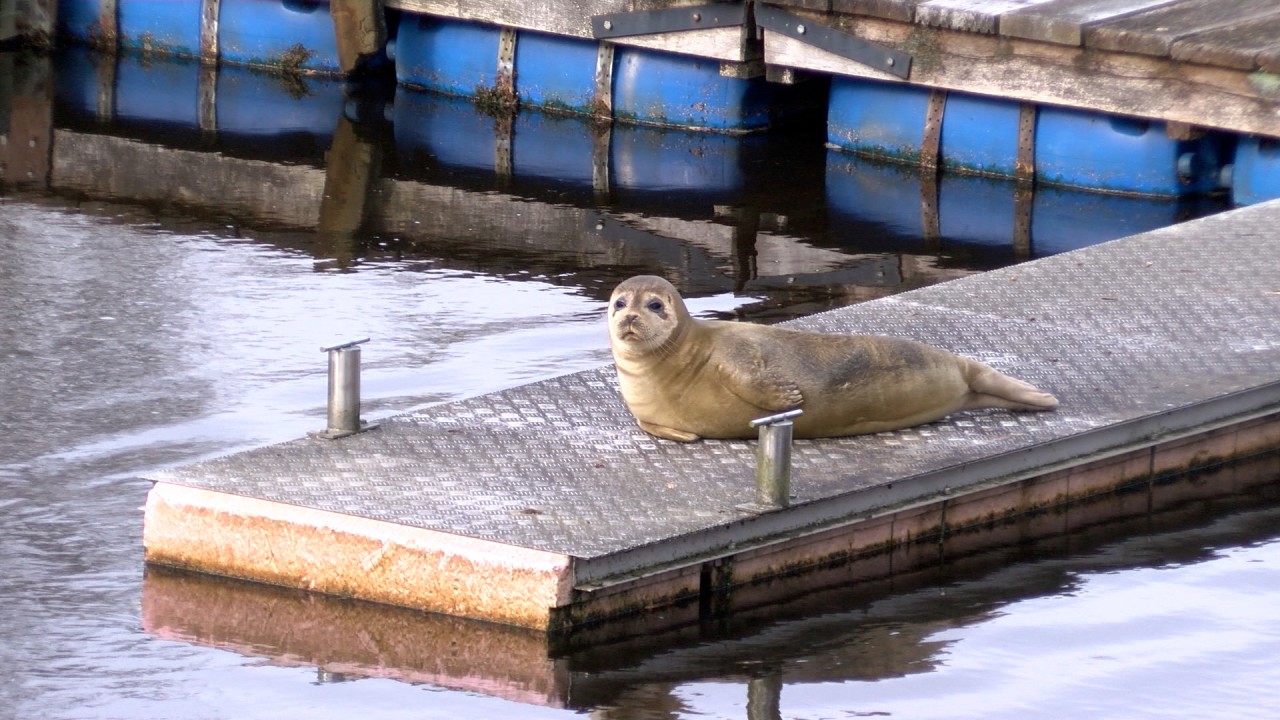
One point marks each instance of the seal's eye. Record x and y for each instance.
(619, 303)
(654, 306)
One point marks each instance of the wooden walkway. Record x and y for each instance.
(1201, 63)
(1192, 63)
(1195, 63)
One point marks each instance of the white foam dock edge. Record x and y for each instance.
(349, 556)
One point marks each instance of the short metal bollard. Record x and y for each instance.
(773, 461)
(344, 390)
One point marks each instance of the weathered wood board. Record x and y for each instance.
(1155, 31)
(1063, 21)
(1213, 63)
(976, 16)
(1247, 45)
(573, 18)
(901, 10)
(1120, 83)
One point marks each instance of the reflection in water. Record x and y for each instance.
(176, 246)
(416, 174)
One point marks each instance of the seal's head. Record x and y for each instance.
(646, 314)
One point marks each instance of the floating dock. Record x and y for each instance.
(344, 640)
(1173, 97)
(544, 506)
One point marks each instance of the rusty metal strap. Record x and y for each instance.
(210, 10)
(505, 81)
(1025, 164)
(853, 48)
(648, 22)
(931, 141)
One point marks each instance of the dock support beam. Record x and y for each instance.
(360, 29)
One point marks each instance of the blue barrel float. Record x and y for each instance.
(1255, 175)
(982, 211)
(171, 27)
(78, 20)
(558, 73)
(161, 93)
(449, 135)
(1073, 148)
(287, 34)
(164, 94)
(259, 105)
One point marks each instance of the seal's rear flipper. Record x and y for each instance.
(992, 388)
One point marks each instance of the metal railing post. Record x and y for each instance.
(344, 390)
(773, 461)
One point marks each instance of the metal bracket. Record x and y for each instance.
(602, 100)
(506, 74)
(847, 46)
(210, 10)
(649, 22)
(1025, 164)
(931, 141)
(701, 17)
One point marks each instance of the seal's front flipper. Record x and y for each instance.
(663, 431)
(745, 373)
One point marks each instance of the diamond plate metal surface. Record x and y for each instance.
(1146, 325)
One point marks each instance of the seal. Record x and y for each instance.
(684, 378)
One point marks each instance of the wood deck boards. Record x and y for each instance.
(1203, 63)
(1209, 63)
(1156, 31)
(1229, 33)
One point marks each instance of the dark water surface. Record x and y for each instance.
(164, 290)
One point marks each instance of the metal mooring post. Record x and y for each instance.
(773, 461)
(344, 390)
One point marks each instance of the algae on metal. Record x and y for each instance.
(499, 99)
(294, 59)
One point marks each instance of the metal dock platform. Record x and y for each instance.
(545, 506)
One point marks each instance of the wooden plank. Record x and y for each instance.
(904, 10)
(565, 17)
(360, 30)
(717, 43)
(573, 18)
(816, 5)
(1153, 32)
(1244, 45)
(976, 16)
(1119, 83)
(1061, 21)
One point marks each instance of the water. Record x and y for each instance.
(156, 313)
